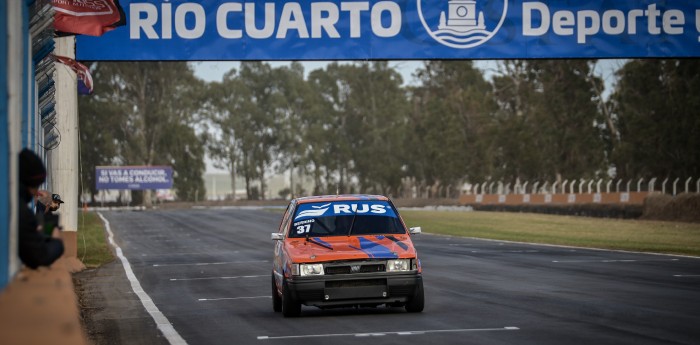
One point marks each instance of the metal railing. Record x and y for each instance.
(581, 186)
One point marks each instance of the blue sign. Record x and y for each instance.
(344, 208)
(398, 29)
(134, 177)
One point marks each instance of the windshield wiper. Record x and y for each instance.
(308, 239)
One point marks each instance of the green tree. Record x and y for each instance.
(549, 123)
(259, 138)
(569, 114)
(450, 114)
(655, 103)
(355, 118)
(243, 109)
(295, 116)
(328, 144)
(226, 101)
(147, 101)
(98, 139)
(374, 108)
(184, 153)
(514, 135)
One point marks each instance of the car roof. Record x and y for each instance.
(341, 197)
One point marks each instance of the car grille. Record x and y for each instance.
(401, 290)
(316, 295)
(348, 269)
(355, 283)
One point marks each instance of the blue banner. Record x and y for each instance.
(344, 208)
(134, 177)
(399, 29)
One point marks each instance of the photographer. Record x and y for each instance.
(47, 202)
(35, 247)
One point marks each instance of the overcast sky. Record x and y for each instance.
(214, 70)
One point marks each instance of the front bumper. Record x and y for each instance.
(355, 289)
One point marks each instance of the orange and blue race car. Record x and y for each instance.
(344, 251)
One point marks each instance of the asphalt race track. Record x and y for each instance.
(208, 273)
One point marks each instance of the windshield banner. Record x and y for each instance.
(134, 177)
(398, 29)
(344, 208)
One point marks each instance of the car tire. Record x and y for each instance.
(276, 299)
(417, 302)
(290, 306)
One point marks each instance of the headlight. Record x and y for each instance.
(311, 270)
(398, 265)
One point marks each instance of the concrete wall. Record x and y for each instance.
(631, 198)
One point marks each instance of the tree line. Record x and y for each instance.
(357, 128)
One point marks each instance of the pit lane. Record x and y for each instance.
(207, 272)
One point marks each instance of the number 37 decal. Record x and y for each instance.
(303, 229)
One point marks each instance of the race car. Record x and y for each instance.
(344, 251)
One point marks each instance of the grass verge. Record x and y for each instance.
(93, 249)
(633, 235)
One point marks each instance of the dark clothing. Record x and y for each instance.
(35, 248)
(40, 209)
(32, 172)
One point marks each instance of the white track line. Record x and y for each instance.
(560, 246)
(379, 334)
(231, 298)
(613, 260)
(210, 263)
(161, 321)
(488, 251)
(208, 278)
(686, 275)
(193, 253)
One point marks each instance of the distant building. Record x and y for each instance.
(218, 186)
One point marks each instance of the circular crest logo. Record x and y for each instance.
(462, 23)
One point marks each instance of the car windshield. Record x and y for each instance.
(345, 218)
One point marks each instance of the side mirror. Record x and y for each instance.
(415, 230)
(277, 236)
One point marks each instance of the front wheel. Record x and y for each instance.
(276, 299)
(290, 306)
(417, 302)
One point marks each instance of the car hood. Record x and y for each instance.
(320, 249)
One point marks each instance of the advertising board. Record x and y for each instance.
(398, 29)
(133, 177)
